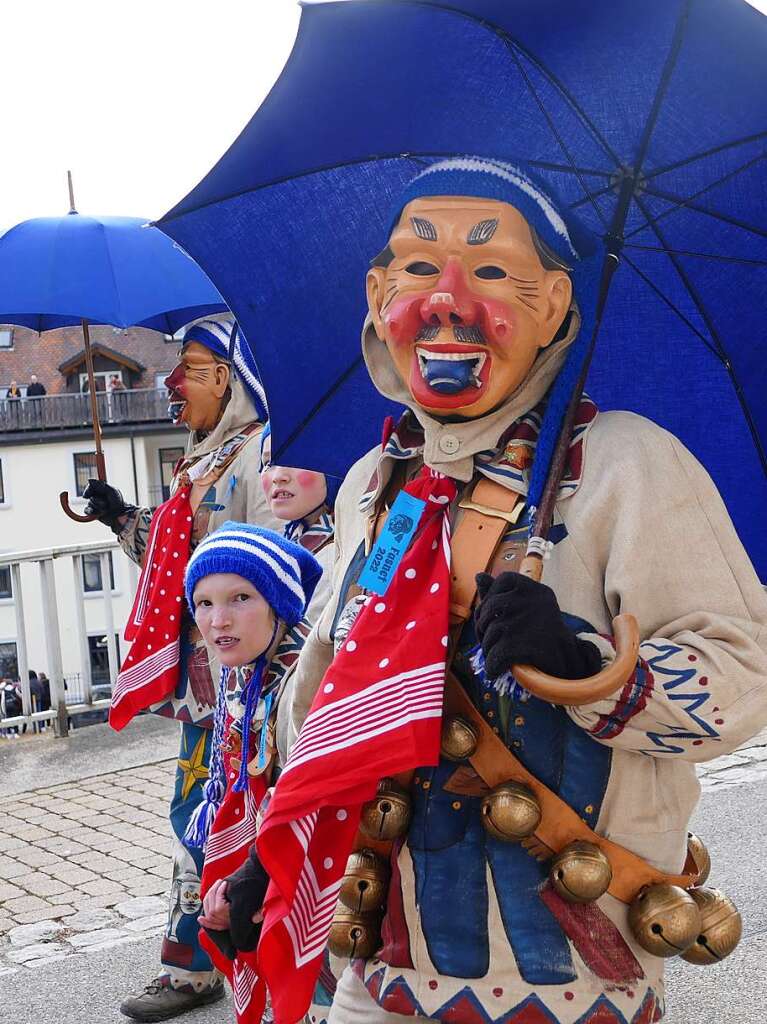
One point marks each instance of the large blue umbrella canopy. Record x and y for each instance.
(649, 119)
(58, 271)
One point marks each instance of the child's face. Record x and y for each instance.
(291, 493)
(234, 619)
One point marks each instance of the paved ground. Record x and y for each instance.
(84, 844)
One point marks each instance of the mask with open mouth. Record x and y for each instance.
(463, 302)
(196, 388)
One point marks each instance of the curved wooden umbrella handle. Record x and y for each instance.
(64, 502)
(575, 692)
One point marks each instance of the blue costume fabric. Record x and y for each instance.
(181, 954)
(447, 840)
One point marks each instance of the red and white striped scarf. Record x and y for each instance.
(234, 831)
(151, 669)
(232, 835)
(377, 713)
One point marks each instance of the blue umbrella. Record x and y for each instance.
(64, 271)
(648, 119)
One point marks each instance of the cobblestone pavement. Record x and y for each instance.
(84, 866)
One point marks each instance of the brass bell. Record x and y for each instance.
(581, 872)
(510, 812)
(696, 848)
(387, 815)
(459, 738)
(720, 927)
(665, 920)
(365, 883)
(353, 934)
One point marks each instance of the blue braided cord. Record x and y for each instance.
(268, 701)
(201, 820)
(251, 695)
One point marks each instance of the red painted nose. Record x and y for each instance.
(174, 378)
(451, 301)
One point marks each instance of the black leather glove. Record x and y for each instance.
(246, 892)
(518, 622)
(106, 503)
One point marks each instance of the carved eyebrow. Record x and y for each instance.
(424, 228)
(482, 232)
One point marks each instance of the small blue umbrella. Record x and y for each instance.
(649, 119)
(78, 270)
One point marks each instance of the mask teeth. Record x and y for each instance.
(453, 357)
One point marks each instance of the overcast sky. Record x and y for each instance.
(139, 99)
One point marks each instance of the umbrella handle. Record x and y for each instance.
(64, 502)
(575, 692)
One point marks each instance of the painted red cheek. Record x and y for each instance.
(306, 478)
(266, 481)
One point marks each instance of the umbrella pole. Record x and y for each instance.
(625, 627)
(101, 470)
(532, 564)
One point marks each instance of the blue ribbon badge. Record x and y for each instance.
(390, 547)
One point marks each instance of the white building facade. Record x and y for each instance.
(35, 466)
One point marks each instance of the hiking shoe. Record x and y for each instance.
(159, 1001)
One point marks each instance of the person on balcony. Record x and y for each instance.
(35, 389)
(216, 393)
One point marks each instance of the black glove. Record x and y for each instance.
(246, 892)
(519, 623)
(106, 503)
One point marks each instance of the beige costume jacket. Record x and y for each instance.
(643, 530)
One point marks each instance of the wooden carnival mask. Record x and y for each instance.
(197, 386)
(463, 302)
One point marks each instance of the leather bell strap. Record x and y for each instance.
(560, 824)
(487, 515)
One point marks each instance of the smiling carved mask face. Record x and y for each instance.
(197, 386)
(465, 304)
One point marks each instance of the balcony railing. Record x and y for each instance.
(77, 693)
(62, 412)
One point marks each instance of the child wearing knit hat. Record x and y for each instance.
(248, 589)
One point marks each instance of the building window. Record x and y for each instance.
(85, 470)
(102, 378)
(6, 337)
(6, 587)
(9, 665)
(92, 582)
(168, 459)
(98, 652)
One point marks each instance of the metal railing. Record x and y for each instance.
(62, 412)
(66, 703)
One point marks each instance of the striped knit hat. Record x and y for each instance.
(284, 573)
(222, 335)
